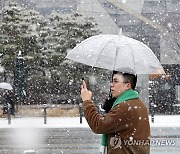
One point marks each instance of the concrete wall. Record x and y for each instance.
(169, 54)
(94, 9)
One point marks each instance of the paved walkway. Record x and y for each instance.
(164, 126)
(67, 135)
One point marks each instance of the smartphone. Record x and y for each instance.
(83, 80)
(87, 83)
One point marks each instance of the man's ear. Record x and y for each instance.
(128, 85)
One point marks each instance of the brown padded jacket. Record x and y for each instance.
(126, 126)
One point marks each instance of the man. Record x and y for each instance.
(125, 127)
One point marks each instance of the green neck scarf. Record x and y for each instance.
(126, 95)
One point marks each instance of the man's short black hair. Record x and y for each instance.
(128, 78)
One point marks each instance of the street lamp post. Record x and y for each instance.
(19, 79)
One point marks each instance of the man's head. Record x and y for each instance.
(121, 82)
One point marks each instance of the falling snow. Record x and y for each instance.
(45, 31)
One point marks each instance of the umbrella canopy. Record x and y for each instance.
(116, 51)
(5, 85)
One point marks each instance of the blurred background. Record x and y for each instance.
(36, 35)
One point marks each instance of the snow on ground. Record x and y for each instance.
(35, 122)
(165, 121)
(74, 122)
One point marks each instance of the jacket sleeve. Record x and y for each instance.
(111, 122)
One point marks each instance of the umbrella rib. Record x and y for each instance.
(116, 58)
(133, 58)
(117, 49)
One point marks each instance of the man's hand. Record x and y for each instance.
(85, 93)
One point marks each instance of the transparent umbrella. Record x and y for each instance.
(5, 85)
(116, 51)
